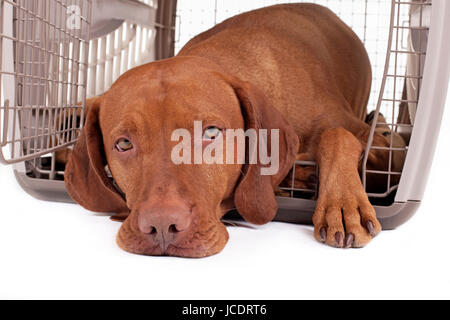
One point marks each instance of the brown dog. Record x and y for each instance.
(296, 68)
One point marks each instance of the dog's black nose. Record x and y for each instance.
(164, 223)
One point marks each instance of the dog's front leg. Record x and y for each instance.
(344, 216)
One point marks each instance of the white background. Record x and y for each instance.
(53, 250)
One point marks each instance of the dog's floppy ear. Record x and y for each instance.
(85, 176)
(254, 196)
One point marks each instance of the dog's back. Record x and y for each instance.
(277, 49)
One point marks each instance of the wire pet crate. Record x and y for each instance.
(54, 54)
(48, 67)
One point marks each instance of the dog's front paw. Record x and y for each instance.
(345, 220)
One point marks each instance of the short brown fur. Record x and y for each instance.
(297, 68)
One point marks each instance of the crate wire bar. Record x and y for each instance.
(400, 78)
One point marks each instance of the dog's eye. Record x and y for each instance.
(211, 133)
(123, 145)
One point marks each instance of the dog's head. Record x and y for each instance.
(142, 123)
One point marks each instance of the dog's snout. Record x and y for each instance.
(164, 224)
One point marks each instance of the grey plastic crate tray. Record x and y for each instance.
(290, 210)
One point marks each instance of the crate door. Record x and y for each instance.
(44, 50)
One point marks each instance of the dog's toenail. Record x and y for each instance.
(349, 240)
(339, 239)
(323, 233)
(370, 228)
